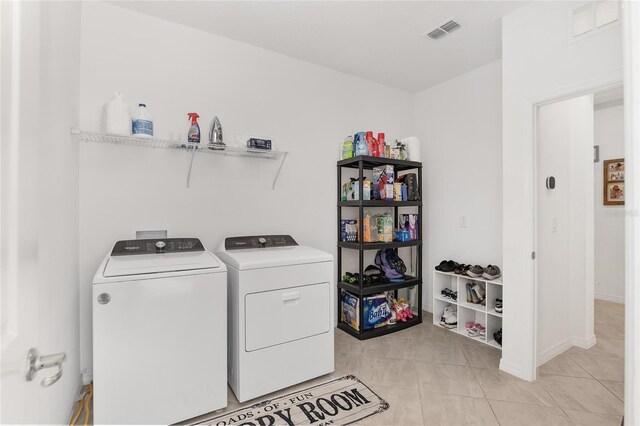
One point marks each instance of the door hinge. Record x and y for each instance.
(533, 255)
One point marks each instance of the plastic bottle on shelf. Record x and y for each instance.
(381, 147)
(361, 146)
(142, 122)
(193, 136)
(373, 144)
(116, 116)
(346, 148)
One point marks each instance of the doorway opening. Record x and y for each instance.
(579, 231)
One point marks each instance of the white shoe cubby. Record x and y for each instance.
(478, 313)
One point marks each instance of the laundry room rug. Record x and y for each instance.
(341, 401)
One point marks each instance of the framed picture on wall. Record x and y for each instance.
(614, 182)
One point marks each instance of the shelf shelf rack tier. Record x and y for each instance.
(366, 163)
(192, 148)
(485, 315)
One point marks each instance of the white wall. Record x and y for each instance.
(564, 144)
(305, 108)
(459, 123)
(538, 63)
(609, 220)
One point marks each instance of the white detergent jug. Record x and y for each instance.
(142, 122)
(116, 116)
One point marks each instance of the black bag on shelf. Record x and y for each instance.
(411, 180)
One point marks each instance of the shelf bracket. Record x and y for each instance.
(193, 154)
(284, 157)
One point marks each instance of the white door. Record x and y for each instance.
(21, 274)
(564, 252)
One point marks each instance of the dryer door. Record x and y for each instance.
(281, 316)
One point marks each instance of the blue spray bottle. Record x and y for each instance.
(194, 130)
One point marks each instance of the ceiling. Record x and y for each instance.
(377, 40)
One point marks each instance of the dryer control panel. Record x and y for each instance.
(259, 241)
(154, 246)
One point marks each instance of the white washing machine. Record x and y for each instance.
(159, 332)
(280, 320)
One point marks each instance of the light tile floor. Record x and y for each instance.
(431, 376)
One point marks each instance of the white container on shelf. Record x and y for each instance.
(142, 122)
(413, 146)
(116, 116)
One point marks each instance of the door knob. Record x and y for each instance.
(37, 362)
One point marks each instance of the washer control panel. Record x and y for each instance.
(259, 241)
(153, 246)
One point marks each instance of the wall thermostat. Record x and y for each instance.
(551, 182)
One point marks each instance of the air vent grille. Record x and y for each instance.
(436, 34)
(442, 30)
(450, 26)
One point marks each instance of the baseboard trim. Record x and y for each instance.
(610, 298)
(514, 370)
(584, 343)
(563, 345)
(555, 350)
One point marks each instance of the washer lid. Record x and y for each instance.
(118, 266)
(256, 258)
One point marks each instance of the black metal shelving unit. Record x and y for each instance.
(363, 163)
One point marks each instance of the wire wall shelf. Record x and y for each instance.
(192, 148)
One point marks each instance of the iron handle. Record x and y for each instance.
(37, 362)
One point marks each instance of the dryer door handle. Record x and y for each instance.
(292, 295)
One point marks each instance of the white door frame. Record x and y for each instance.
(631, 57)
(604, 82)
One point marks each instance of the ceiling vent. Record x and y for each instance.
(442, 30)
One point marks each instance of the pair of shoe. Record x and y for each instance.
(354, 278)
(461, 269)
(447, 266)
(475, 271)
(449, 318)
(476, 293)
(476, 329)
(491, 272)
(498, 336)
(449, 294)
(498, 305)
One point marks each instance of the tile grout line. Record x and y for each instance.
(473, 370)
(608, 390)
(568, 356)
(421, 403)
(493, 411)
(464, 354)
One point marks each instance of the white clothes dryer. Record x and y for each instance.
(281, 298)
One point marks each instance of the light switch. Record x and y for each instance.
(464, 222)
